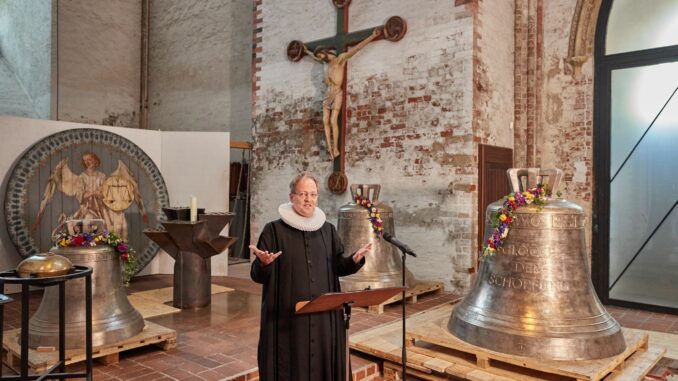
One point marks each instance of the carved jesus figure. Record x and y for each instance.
(334, 79)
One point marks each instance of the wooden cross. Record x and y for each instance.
(393, 30)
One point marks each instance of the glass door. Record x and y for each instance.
(643, 245)
(635, 247)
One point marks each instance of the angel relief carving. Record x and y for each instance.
(99, 196)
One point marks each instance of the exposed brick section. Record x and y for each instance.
(409, 128)
(528, 69)
(257, 49)
(562, 121)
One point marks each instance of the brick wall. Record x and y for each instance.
(199, 66)
(409, 123)
(494, 73)
(418, 108)
(99, 55)
(554, 102)
(567, 114)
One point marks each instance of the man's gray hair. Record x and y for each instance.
(299, 177)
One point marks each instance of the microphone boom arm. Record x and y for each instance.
(394, 241)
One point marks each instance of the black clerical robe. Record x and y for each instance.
(307, 347)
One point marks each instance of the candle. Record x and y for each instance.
(194, 209)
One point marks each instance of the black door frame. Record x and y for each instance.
(604, 65)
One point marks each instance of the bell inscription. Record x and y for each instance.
(533, 250)
(532, 285)
(538, 221)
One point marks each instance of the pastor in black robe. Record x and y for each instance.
(307, 347)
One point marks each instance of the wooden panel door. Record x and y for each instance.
(493, 183)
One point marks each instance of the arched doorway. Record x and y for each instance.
(635, 245)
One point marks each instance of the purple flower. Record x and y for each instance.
(122, 247)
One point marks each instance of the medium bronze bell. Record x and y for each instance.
(534, 296)
(113, 317)
(383, 267)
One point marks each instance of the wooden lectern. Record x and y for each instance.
(344, 301)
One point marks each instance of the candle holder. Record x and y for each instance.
(180, 213)
(192, 244)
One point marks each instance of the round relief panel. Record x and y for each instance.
(84, 174)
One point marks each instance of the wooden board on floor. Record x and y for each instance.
(639, 364)
(429, 361)
(166, 294)
(150, 308)
(411, 295)
(385, 342)
(431, 327)
(153, 334)
(458, 364)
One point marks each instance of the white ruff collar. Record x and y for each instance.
(307, 224)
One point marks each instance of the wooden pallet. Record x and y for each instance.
(410, 295)
(456, 359)
(153, 334)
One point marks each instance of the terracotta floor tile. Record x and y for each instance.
(220, 342)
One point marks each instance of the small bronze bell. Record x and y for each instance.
(44, 265)
(384, 268)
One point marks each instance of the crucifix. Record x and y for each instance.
(334, 52)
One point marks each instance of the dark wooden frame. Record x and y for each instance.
(490, 189)
(605, 64)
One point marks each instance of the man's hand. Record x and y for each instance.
(362, 252)
(264, 256)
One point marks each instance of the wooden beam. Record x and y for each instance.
(241, 144)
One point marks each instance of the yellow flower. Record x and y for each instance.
(378, 216)
(502, 217)
(511, 198)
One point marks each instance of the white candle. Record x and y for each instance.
(194, 209)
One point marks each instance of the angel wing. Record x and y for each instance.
(123, 175)
(63, 180)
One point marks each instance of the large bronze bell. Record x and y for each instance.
(383, 267)
(113, 317)
(534, 296)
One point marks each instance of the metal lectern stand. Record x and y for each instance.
(344, 301)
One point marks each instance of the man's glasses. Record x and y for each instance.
(312, 196)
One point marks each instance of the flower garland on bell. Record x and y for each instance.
(503, 217)
(126, 253)
(375, 218)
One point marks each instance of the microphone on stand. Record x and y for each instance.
(394, 241)
(405, 250)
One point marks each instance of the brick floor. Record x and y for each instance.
(219, 342)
